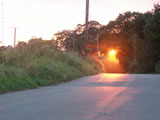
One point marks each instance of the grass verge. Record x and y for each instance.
(41, 64)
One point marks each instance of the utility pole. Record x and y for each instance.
(15, 35)
(97, 39)
(15, 32)
(86, 34)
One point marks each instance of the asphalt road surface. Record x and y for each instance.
(99, 97)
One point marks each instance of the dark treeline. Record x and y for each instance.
(135, 35)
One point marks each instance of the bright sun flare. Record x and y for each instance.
(112, 56)
(112, 52)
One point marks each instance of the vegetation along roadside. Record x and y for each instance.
(40, 63)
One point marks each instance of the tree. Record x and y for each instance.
(117, 35)
(152, 37)
(74, 40)
(145, 40)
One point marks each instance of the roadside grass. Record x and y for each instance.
(41, 64)
(13, 79)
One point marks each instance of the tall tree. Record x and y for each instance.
(74, 40)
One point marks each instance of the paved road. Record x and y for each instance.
(99, 97)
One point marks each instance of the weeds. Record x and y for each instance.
(41, 64)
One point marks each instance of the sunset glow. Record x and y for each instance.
(43, 18)
(112, 52)
(112, 56)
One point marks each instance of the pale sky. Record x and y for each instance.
(43, 18)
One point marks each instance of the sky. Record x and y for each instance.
(43, 18)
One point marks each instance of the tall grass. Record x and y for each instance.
(40, 63)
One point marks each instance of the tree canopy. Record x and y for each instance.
(74, 40)
(135, 35)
